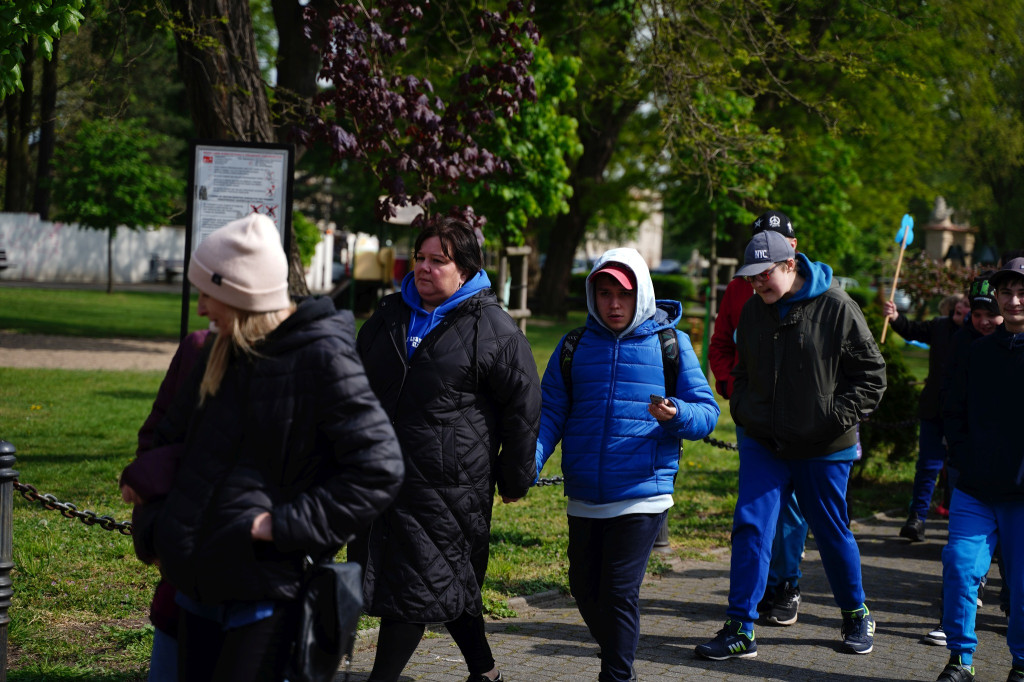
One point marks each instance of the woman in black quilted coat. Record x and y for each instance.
(286, 453)
(458, 379)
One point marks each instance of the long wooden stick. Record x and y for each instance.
(895, 279)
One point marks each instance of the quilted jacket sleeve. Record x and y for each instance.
(515, 387)
(366, 468)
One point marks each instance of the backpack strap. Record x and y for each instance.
(572, 340)
(669, 358)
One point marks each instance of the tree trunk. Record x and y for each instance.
(570, 228)
(219, 65)
(47, 135)
(298, 65)
(19, 124)
(226, 93)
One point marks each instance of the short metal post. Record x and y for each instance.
(661, 543)
(7, 476)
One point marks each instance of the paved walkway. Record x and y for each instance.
(685, 607)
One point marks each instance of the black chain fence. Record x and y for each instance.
(91, 518)
(71, 511)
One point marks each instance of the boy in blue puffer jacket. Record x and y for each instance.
(620, 444)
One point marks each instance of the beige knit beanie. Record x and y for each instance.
(243, 265)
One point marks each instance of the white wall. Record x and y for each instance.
(41, 251)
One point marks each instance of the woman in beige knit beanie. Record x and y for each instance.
(286, 455)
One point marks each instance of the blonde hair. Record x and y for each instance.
(247, 331)
(947, 304)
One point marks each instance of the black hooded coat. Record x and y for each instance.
(466, 409)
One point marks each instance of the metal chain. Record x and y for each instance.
(69, 510)
(557, 480)
(721, 443)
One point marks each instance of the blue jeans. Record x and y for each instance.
(607, 562)
(931, 454)
(974, 529)
(163, 662)
(820, 487)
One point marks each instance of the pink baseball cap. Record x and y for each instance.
(622, 274)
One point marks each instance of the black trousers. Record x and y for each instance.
(397, 641)
(255, 652)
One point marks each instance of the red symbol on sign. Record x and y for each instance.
(271, 211)
(207, 158)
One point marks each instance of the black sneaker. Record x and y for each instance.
(858, 631)
(729, 643)
(1016, 675)
(785, 606)
(936, 637)
(956, 672)
(913, 529)
(483, 678)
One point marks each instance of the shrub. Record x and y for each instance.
(892, 429)
(307, 236)
(674, 287)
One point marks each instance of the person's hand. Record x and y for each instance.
(889, 310)
(129, 495)
(662, 411)
(263, 528)
(509, 500)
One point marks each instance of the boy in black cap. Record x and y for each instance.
(982, 415)
(781, 602)
(808, 372)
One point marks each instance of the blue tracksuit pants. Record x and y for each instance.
(790, 538)
(820, 487)
(974, 529)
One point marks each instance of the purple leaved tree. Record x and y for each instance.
(418, 142)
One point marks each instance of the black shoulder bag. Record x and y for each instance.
(330, 601)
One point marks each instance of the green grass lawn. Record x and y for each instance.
(70, 312)
(81, 598)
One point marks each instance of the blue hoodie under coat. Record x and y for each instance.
(421, 321)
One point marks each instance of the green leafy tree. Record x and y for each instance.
(106, 178)
(836, 83)
(539, 143)
(28, 23)
(611, 86)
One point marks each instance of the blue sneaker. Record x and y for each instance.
(731, 642)
(858, 631)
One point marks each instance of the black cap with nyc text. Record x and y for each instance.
(763, 252)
